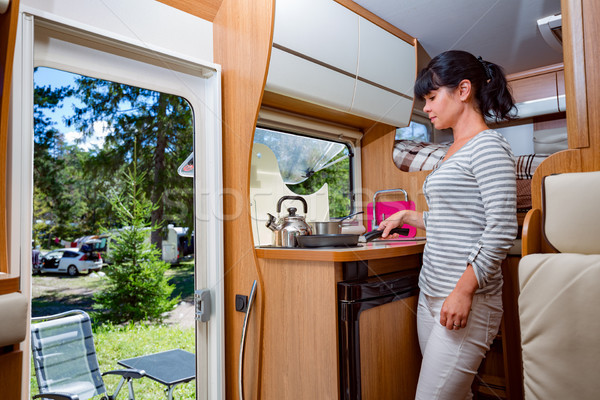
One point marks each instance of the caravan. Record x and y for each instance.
(333, 80)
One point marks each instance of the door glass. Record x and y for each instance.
(97, 146)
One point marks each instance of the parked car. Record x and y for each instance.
(71, 261)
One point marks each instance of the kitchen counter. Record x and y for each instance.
(379, 249)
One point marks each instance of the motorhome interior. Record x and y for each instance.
(314, 100)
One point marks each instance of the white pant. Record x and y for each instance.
(451, 357)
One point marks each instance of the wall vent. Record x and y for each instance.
(551, 30)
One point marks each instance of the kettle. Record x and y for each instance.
(288, 227)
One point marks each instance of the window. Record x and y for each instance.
(306, 163)
(415, 131)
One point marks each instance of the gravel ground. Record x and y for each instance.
(54, 293)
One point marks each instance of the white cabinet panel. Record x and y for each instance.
(386, 59)
(537, 107)
(382, 106)
(321, 29)
(296, 77)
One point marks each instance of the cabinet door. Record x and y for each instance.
(535, 95)
(381, 105)
(534, 88)
(299, 78)
(322, 30)
(386, 59)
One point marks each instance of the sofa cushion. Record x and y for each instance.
(13, 318)
(560, 329)
(571, 216)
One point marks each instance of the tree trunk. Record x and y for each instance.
(159, 167)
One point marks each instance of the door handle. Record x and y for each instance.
(243, 342)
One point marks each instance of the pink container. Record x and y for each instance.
(387, 208)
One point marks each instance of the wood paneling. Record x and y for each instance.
(532, 232)
(8, 32)
(575, 73)
(590, 158)
(242, 32)
(205, 9)
(389, 351)
(9, 284)
(300, 359)
(10, 374)
(379, 171)
(534, 87)
(510, 329)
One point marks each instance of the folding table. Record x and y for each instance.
(170, 367)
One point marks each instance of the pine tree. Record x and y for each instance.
(137, 288)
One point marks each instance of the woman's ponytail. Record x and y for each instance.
(487, 79)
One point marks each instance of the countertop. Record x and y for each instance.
(364, 251)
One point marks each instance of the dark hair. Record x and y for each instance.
(487, 79)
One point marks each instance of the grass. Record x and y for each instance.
(61, 293)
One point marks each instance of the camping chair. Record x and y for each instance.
(65, 361)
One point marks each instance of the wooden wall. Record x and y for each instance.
(581, 53)
(8, 31)
(242, 43)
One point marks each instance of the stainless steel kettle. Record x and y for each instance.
(286, 228)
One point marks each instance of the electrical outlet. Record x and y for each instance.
(241, 303)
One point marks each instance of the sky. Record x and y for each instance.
(55, 78)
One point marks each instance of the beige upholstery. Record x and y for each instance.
(560, 326)
(559, 296)
(572, 213)
(13, 318)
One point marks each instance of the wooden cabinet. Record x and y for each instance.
(500, 374)
(301, 353)
(539, 91)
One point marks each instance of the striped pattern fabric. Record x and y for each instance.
(64, 356)
(410, 155)
(527, 164)
(472, 216)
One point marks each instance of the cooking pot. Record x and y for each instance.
(332, 227)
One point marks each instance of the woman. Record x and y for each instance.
(470, 225)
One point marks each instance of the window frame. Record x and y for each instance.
(294, 124)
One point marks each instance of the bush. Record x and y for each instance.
(137, 288)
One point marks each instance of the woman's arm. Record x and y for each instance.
(457, 306)
(410, 217)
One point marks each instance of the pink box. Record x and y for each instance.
(388, 208)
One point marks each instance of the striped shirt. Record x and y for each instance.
(472, 216)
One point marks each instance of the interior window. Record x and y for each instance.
(415, 131)
(306, 163)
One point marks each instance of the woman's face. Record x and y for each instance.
(443, 107)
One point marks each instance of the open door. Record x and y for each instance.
(69, 46)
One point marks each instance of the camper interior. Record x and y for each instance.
(287, 95)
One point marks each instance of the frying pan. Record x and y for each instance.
(327, 240)
(340, 240)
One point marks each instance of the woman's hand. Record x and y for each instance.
(391, 222)
(410, 217)
(457, 306)
(455, 310)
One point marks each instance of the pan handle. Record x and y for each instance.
(351, 215)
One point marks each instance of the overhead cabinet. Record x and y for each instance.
(539, 92)
(325, 54)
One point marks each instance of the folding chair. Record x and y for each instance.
(65, 361)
